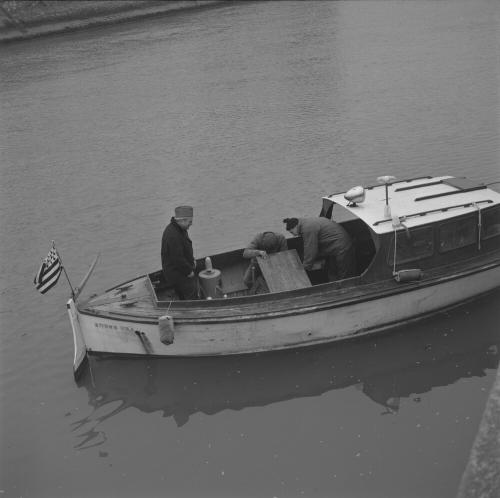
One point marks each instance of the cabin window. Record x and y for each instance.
(412, 245)
(457, 234)
(490, 221)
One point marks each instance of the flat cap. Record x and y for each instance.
(184, 212)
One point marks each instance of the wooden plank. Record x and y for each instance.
(284, 271)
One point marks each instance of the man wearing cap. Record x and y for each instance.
(177, 259)
(260, 246)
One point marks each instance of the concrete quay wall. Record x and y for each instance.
(481, 478)
(21, 19)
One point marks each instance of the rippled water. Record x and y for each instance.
(250, 112)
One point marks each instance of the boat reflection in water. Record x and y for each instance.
(435, 352)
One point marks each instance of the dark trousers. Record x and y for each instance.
(340, 266)
(185, 287)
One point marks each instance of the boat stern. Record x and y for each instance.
(80, 349)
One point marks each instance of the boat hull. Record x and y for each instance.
(274, 331)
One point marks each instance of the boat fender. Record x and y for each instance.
(412, 275)
(166, 329)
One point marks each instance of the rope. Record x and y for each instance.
(395, 247)
(479, 225)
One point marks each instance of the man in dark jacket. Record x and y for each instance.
(324, 238)
(177, 259)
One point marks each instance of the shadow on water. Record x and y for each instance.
(405, 362)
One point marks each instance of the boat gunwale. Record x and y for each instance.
(331, 303)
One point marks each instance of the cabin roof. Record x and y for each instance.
(419, 201)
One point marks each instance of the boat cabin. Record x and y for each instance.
(402, 230)
(425, 223)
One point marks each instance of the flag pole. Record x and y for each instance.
(64, 270)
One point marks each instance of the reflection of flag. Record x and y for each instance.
(49, 272)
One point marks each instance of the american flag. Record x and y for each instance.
(49, 271)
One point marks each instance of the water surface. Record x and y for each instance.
(250, 112)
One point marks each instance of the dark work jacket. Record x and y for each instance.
(322, 237)
(176, 252)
